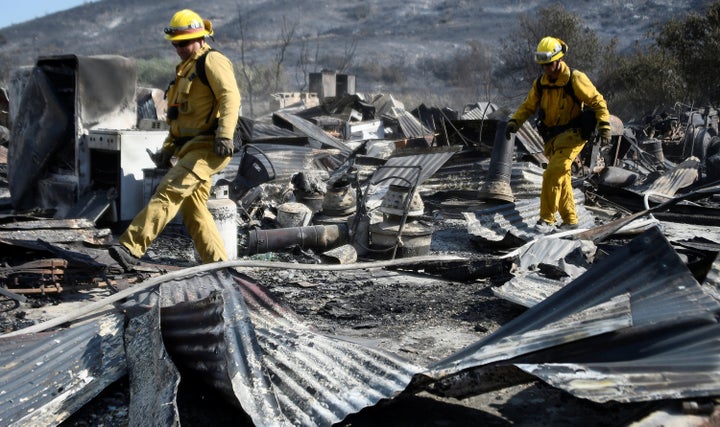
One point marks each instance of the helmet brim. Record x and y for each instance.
(187, 35)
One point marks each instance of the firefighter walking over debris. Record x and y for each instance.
(558, 97)
(203, 110)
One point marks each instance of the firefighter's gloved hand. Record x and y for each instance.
(161, 158)
(512, 127)
(603, 136)
(223, 147)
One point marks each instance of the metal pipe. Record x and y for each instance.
(322, 237)
(181, 274)
(497, 183)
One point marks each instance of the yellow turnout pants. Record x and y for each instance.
(557, 193)
(185, 188)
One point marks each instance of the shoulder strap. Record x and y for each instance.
(200, 67)
(568, 88)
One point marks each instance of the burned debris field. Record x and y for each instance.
(385, 269)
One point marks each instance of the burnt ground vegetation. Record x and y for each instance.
(642, 55)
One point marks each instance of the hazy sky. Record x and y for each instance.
(17, 11)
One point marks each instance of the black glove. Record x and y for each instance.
(223, 147)
(512, 127)
(603, 136)
(161, 158)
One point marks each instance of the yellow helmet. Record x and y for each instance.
(550, 49)
(186, 25)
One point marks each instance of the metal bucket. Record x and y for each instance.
(415, 237)
(293, 214)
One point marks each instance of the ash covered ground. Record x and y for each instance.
(419, 316)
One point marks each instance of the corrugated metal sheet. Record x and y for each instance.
(517, 219)
(434, 117)
(413, 166)
(525, 178)
(411, 126)
(287, 160)
(528, 290)
(46, 377)
(671, 348)
(280, 371)
(478, 111)
(531, 284)
(313, 131)
(682, 176)
(154, 378)
(712, 280)
(531, 142)
(265, 131)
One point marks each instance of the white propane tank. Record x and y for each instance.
(224, 212)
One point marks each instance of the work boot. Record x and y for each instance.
(123, 257)
(543, 227)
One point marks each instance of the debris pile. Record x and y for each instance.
(339, 203)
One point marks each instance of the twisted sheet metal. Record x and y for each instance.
(314, 132)
(46, 377)
(670, 349)
(229, 329)
(412, 167)
(517, 219)
(411, 127)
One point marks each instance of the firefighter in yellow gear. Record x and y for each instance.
(202, 114)
(559, 108)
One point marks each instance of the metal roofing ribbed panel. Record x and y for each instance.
(46, 377)
(671, 348)
(527, 290)
(412, 167)
(411, 126)
(518, 219)
(688, 367)
(712, 279)
(280, 371)
(313, 131)
(288, 160)
(525, 178)
(683, 175)
(479, 111)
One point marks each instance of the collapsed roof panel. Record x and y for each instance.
(434, 117)
(46, 377)
(152, 402)
(410, 168)
(673, 321)
(682, 176)
(279, 370)
(674, 362)
(478, 111)
(411, 127)
(494, 224)
(314, 132)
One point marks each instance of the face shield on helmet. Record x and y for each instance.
(187, 25)
(550, 49)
